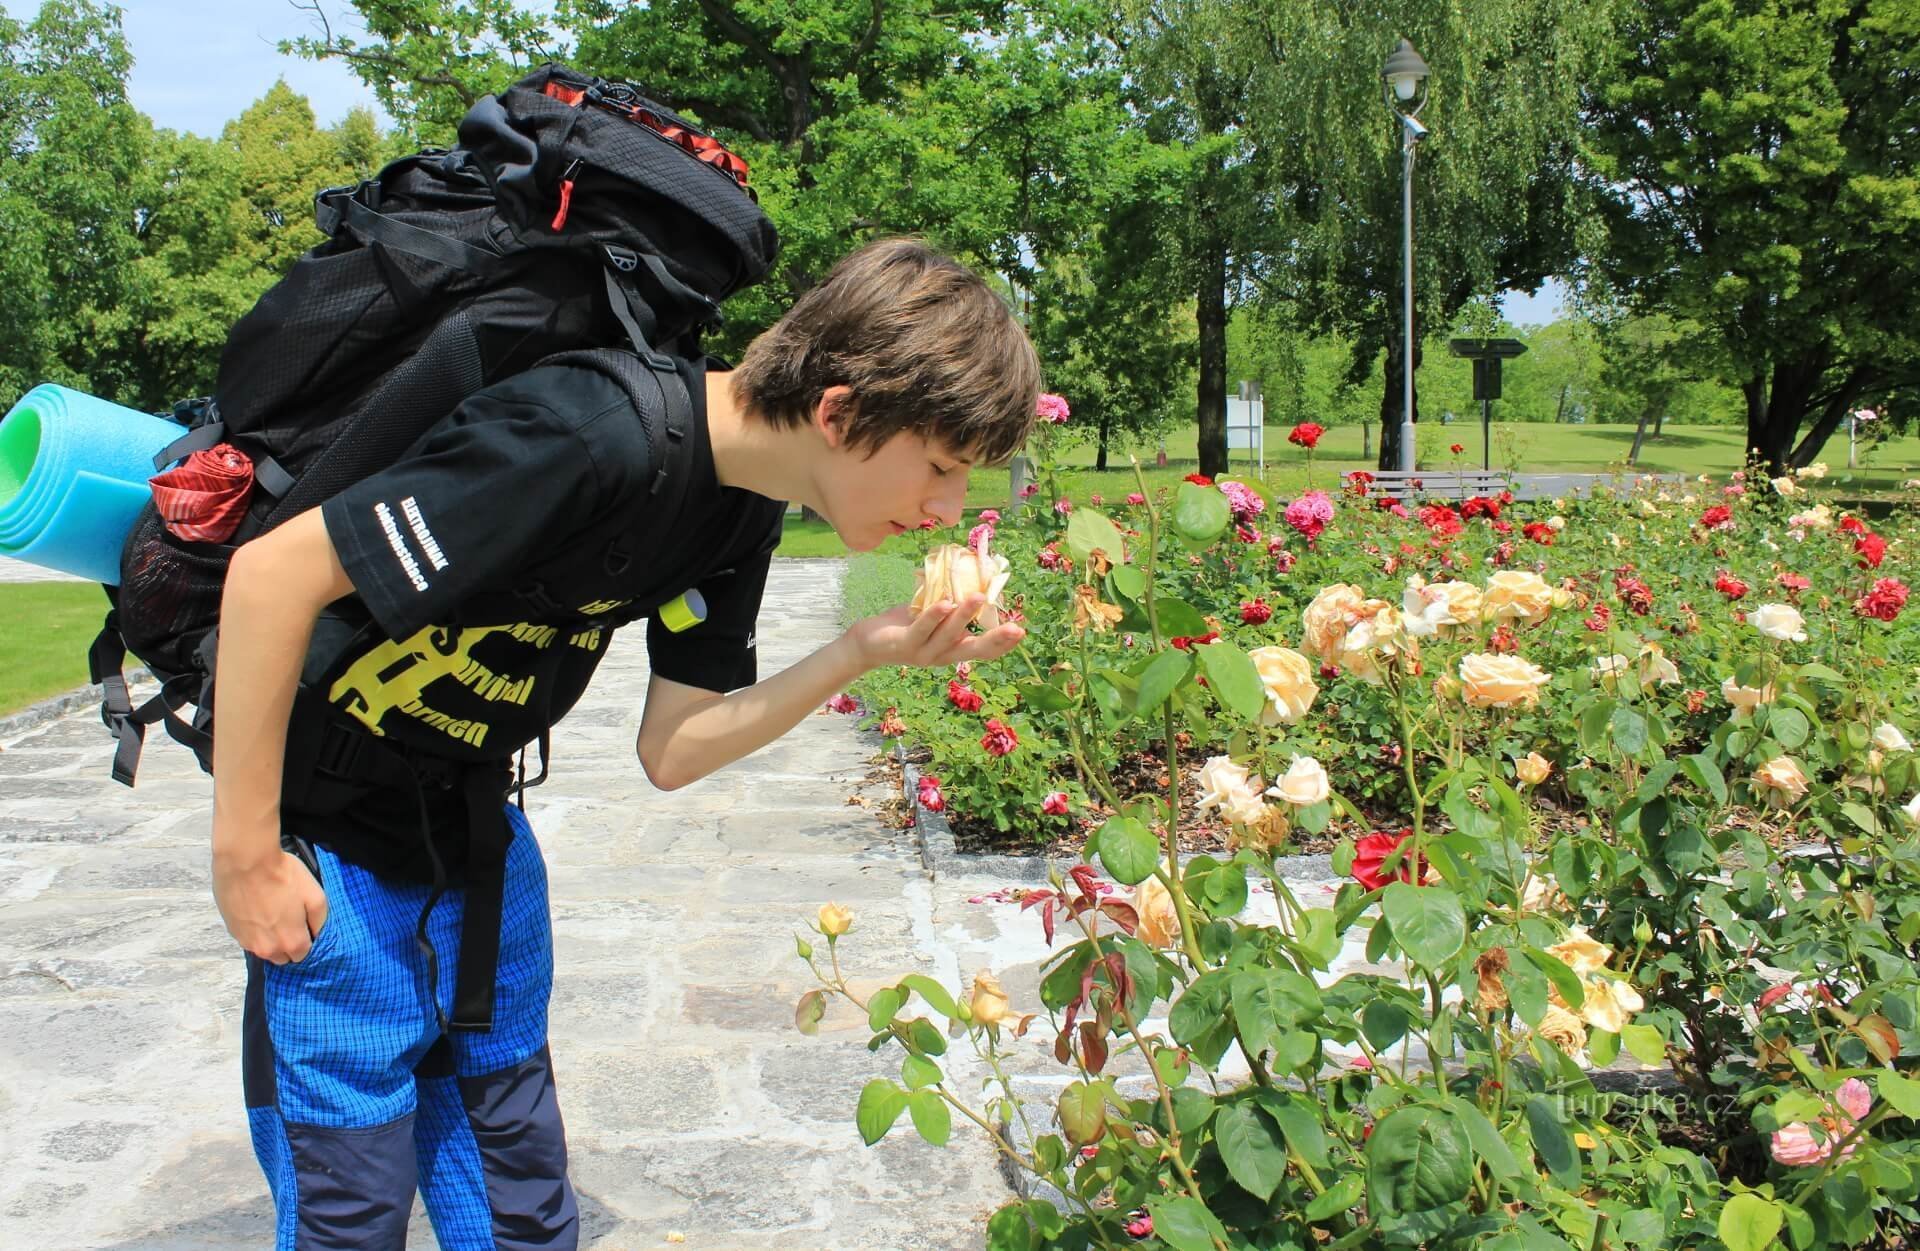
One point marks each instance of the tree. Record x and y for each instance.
(1493, 190)
(1755, 167)
(70, 146)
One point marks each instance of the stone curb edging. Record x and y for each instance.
(34, 716)
(933, 834)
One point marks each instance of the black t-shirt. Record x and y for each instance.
(439, 650)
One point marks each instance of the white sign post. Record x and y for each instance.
(1246, 423)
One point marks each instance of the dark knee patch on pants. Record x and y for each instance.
(515, 1115)
(354, 1187)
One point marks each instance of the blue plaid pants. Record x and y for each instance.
(356, 1099)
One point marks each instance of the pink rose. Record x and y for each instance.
(999, 739)
(1055, 804)
(990, 515)
(843, 702)
(1063, 506)
(1134, 497)
(1796, 1147)
(1052, 409)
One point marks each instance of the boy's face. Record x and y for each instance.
(906, 481)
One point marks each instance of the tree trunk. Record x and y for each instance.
(1560, 409)
(1100, 458)
(1213, 354)
(1390, 401)
(1660, 419)
(1776, 407)
(1639, 437)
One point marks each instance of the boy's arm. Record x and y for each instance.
(687, 733)
(275, 589)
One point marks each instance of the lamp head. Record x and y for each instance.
(1404, 71)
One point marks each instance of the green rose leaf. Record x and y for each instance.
(1163, 673)
(1339, 1197)
(1902, 1092)
(1087, 531)
(1705, 774)
(1267, 1002)
(933, 992)
(1629, 730)
(1750, 1223)
(1128, 581)
(881, 1103)
(1552, 1143)
(1128, 849)
(1788, 726)
(1252, 1147)
(1083, 1113)
(1235, 681)
(930, 1116)
(1644, 1043)
(1200, 513)
(1184, 1223)
(1008, 1230)
(1427, 921)
(1418, 1159)
(884, 1006)
(1179, 618)
(918, 1072)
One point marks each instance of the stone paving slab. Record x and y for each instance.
(692, 1104)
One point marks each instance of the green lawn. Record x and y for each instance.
(44, 648)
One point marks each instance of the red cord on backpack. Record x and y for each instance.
(204, 499)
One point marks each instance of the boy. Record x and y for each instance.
(372, 1067)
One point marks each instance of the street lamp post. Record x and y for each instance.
(1404, 72)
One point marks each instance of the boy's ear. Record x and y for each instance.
(831, 414)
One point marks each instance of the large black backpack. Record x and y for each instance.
(575, 213)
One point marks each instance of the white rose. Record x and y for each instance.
(1887, 737)
(1227, 788)
(1556, 523)
(1912, 808)
(1779, 621)
(1608, 669)
(1787, 487)
(1304, 784)
(951, 572)
(1656, 668)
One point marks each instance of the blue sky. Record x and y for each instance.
(198, 63)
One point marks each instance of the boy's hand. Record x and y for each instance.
(937, 637)
(272, 905)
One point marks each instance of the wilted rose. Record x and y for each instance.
(1581, 952)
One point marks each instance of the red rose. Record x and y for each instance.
(1539, 531)
(1599, 618)
(1636, 594)
(1852, 525)
(1481, 504)
(1716, 517)
(1256, 612)
(1871, 548)
(1502, 641)
(1457, 448)
(999, 738)
(1696, 700)
(928, 793)
(1442, 520)
(1182, 642)
(1357, 481)
(1370, 857)
(1199, 479)
(1792, 583)
(1055, 804)
(963, 697)
(1884, 601)
(1730, 586)
(1307, 434)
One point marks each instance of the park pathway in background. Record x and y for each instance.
(693, 1106)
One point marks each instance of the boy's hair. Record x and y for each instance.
(922, 341)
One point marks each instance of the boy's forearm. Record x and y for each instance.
(718, 733)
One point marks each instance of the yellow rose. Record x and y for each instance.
(834, 920)
(1516, 595)
(1304, 784)
(1288, 679)
(1159, 920)
(1377, 632)
(1580, 952)
(1491, 681)
(1533, 768)
(1608, 1003)
(1781, 781)
(1326, 620)
(952, 573)
(989, 1005)
(1745, 698)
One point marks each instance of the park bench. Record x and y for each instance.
(1461, 484)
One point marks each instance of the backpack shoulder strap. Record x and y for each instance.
(660, 396)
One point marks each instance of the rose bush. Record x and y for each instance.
(1589, 804)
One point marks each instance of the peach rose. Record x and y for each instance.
(1288, 679)
(1159, 920)
(952, 573)
(1326, 620)
(1745, 698)
(1516, 595)
(1533, 768)
(1781, 781)
(1492, 681)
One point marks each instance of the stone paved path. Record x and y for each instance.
(692, 1104)
(12, 570)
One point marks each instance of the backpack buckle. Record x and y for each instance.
(623, 259)
(339, 752)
